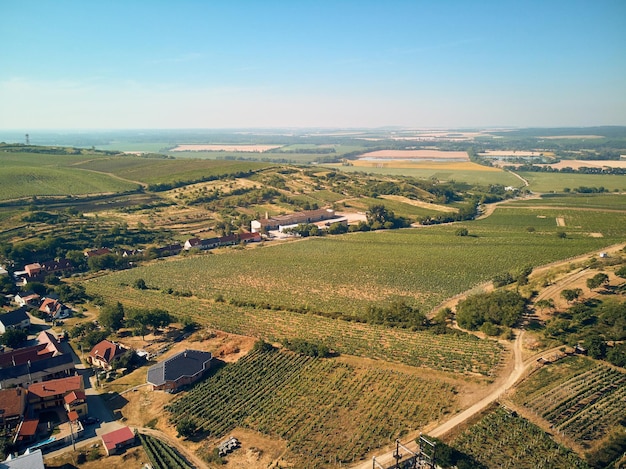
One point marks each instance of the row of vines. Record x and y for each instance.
(328, 412)
(162, 456)
(504, 441)
(585, 406)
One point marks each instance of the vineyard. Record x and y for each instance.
(449, 352)
(349, 273)
(328, 412)
(583, 407)
(504, 441)
(162, 456)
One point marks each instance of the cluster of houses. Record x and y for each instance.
(35, 379)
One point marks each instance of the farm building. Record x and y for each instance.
(16, 319)
(117, 440)
(54, 309)
(28, 298)
(104, 352)
(183, 368)
(229, 240)
(276, 222)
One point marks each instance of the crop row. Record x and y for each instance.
(503, 440)
(162, 456)
(327, 411)
(585, 406)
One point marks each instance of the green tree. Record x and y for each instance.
(596, 347)
(186, 427)
(571, 295)
(112, 317)
(462, 232)
(140, 284)
(503, 308)
(621, 272)
(13, 337)
(597, 281)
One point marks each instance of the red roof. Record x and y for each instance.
(12, 401)
(56, 387)
(28, 428)
(74, 396)
(117, 437)
(106, 351)
(72, 415)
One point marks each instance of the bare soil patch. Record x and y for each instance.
(560, 221)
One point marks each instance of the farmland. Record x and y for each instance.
(329, 412)
(580, 398)
(557, 182)
(418, 266)
(503, 440)
(161, 455)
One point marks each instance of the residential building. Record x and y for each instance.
(59, 366)
(12, 407)
(52, 393)
(16, 319)
(179, 370)
(104, 352)
(275, 222)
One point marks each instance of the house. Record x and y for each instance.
(275, 222)
(55, 309)
(29, 298)
(250, 237)
(52, 393)
(76, 402)
(168, 250)
(47, 347)
(27, 431)
(117, 440)
(12, 407)
(104, 352)
(179, 370)
(50, 342)
(202, 244)
(33, 270)
(97, 252)
(28, 460)
(16, 319)
(54, 266)
(59, 366)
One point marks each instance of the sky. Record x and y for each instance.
(299, 63)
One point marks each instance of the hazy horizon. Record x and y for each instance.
(73, 66)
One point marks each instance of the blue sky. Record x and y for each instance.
(231, 64)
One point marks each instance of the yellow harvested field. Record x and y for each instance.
(426, 164)
(240, 148)
(416, 154)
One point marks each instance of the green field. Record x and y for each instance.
(556, 182)
(329, 413)
(155, 171)
(349, 273)
(472, 177)
(579, 201)
(36, 174)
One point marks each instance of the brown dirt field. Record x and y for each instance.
(426, 164)
(239, 148)
(399, 154)
(132, 457)
(560, 221)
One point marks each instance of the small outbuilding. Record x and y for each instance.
(115, 441)
(179, 370)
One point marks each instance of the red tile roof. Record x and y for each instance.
(56, 387)
(117, 437)
(74, 396)
(28, 428)
(72, 415)
(12, 401)
(106, 351)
